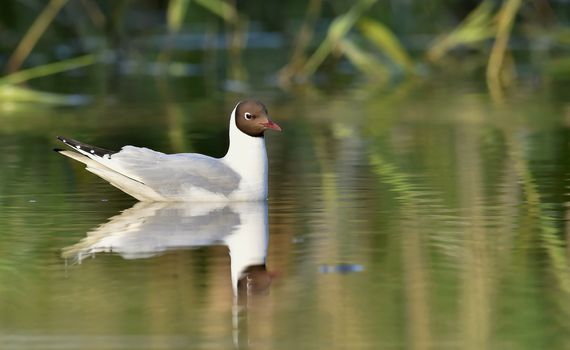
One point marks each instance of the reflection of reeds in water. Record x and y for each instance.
(477, 260)
(335, 289)
(423, 285)
(550, 234)
(414, 254)
(485, 241)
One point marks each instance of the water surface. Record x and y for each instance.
(431, 216)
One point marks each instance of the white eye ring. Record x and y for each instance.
(248, 116)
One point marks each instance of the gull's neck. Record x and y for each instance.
(246, 154)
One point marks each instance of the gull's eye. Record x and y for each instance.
(248, 116)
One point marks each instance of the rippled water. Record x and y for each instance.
(427, 217)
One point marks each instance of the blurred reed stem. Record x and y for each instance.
(364, 61)
(476, 27)
(236, 43)
(10, 92)
(47, 69)
(383, 38)
(337, 30)
(505, 20)
(175, 13)
(303, 40)
(33, 34)
(95, 13)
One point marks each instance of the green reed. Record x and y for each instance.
(359, 32)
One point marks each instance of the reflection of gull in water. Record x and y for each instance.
(149, 229)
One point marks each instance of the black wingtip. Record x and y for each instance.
(58, 150)
(85, 148)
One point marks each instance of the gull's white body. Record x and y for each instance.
(241, 175)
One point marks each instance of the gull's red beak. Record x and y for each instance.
(271, 125)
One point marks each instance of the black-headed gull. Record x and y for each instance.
(147, 175)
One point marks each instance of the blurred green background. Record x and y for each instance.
(218, 45)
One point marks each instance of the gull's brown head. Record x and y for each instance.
(252, 118)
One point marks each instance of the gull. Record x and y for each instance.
(147, 175)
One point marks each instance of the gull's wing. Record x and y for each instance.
(147, 174)
(174, 174)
